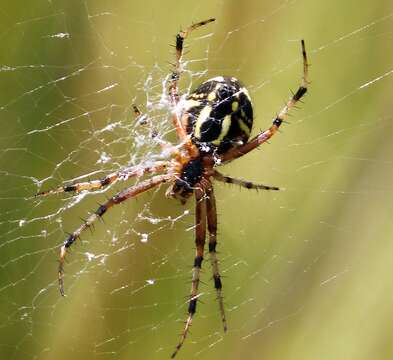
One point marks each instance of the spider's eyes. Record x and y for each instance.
(180, 190)
(185, 184)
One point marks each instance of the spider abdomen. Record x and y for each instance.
(218, 114)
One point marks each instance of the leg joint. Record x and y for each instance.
(192, 306)
(101, 210)
(105, 181)
(70, 240)
(212, 246)
(69, 188)
(198, 261)
(217, 282)
(299, 93)
(277, 122)
(179, 42)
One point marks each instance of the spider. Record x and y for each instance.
(213, 125)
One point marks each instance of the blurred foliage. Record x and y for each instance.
(308, 271)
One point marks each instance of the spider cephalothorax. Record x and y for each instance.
(213, 125)
(190, 176)
(218, 116)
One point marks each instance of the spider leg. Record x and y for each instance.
(247, 184)
(267, 134)
(175, 76)
(200, 235)
(123, 195)
(180, 37)
(107, 180)
(212, 227)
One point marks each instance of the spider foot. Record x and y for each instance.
(217, 283)
(61, 270)
(192, 304)
(186, 330)
(54, 191)
(220, 300)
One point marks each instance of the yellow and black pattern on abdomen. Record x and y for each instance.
(218, 114)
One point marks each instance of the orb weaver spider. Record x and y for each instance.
(213, 125)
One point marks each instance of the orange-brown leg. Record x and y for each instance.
(130, 192)
(173, 85)
(125, 174)
(267, 134)
(200, 236)
(212, 227)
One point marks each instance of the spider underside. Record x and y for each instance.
(213, 125)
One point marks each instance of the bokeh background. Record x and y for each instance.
(307, 271)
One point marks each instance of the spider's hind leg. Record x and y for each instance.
(212, 227)
(200, 235)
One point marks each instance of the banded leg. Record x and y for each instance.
(180, 37)
(200, 235)
(212, 227)
(267, 134)
(175, 76)
(247, 184)
(130, 192)
(107, 180)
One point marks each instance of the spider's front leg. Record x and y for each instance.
(175, 76)
(200, 236)
(267, 134)
(180, 37)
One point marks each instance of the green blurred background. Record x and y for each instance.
(307, 271)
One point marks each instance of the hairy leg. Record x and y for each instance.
(173, 85)
(243, 183)
(128, 193)
(267, 134)
(200, 235)
(212, 227)
(136, 171)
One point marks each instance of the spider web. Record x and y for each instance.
(311, 262)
